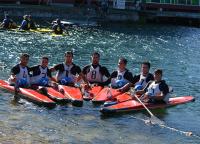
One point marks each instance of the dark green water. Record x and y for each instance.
(175, 49)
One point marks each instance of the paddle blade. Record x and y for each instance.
(154, 120)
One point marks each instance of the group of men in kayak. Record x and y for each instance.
(150, 87)
(28, 23)
(8, 23)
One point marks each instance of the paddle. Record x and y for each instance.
(17, 90)
(153, 119)
(85, 90)
(109, 93)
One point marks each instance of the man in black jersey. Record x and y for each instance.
(121, 78)
(67, 72)
(144, 77)
(155, 91)
(94, 73)
(20, 76)
(41, 74)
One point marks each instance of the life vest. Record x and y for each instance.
(94, 74)
(28, 25)
(7, 23)
(120, 78)
(42, 74)
(66, 73)
(142, 81)
(153, 88)
(23, 74)
(58, 29)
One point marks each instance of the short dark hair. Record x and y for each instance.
(147, 63)
(96, 53)
(24, 55)
(158, 71)
(45, 57)
(124, 60)
(69, 53)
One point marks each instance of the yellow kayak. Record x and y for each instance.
(59, 35)
(41, 30)
(38, 30)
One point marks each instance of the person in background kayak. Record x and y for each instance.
(41, 74)
(156, 91)
(20, 73)
(121, 78)
(144, 77)
(32, 23)
(25, 23)
(67, 71)
(58, 27)
(94, 73)
(8, 23)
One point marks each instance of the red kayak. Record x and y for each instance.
(29, 94)
(133, 105)
(125, 97)
(118, 99)
(55, 95)
(91, 93)
(73, 94)
(106, 94)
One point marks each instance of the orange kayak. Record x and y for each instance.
(106, 94)
(118, 99)
(29, 94)
(91, 93)
(125, 97)
(73, 94)
(133, 105)
(55, 95)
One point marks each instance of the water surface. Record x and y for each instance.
(174, 49)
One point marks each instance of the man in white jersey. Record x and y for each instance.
(41, 75)
(94, 73)
(156, 90)
(68, 72)
(121, 78)
(20, 73)
(144, 77)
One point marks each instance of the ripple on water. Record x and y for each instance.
(175, 49)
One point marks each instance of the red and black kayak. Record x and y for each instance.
(91, 93)
(106, 94)
(73, 94)
(29, 94)
(133, 105)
